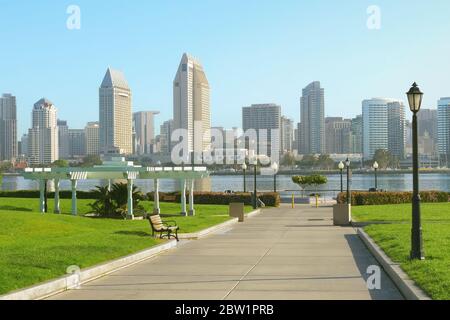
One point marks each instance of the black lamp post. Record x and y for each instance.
(375, 167)
(349, 191)
(255, 165)
(415, 97)
(341, 167)
(275, 171)
(244, 169)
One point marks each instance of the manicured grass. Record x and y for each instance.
(438, 212)
(394, 235)
(37, 247)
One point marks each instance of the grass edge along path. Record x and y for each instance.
(391, 230)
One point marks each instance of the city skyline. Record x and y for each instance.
(150, 69)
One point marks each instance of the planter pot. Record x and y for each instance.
(342, 214)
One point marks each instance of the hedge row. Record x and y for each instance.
(270, 199)
(379, 198)
(63, 194)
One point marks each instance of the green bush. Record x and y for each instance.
(380, 198)
(270, 199)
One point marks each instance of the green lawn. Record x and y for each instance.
(37, 247)
(394, 235)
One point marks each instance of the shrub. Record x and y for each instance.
(380, 198)
(270, 199)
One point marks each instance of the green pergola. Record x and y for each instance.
(118, 169)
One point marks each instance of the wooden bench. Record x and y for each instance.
(166, 229)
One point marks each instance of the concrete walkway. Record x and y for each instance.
(281, 254)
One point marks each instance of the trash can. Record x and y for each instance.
(236, 210)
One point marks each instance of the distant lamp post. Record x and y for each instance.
(275, 171)
(375, 167)
(415, 97)
(255, 166)
(349, 191)
(341, 167)
(244, 169)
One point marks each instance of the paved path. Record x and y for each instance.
(281, 254)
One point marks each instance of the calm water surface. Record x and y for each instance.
(394, 182)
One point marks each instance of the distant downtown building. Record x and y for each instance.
(396, 129)
(115, 114)
(144, 129)
(287, 135)
(77, 143)
(63, 139)
(43, 135)
(357, 135)
(338, 135)
(92, 133)
(312, 120)
(8, 127)
(443, 123)
(191, 104)
(165, 136)
(382, 129)
(263, 118)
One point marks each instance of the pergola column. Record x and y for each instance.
(130, 215)
(183, 197)
(191, 199)
(74, 197)
(156, 208)
(57, 203)
(42, 195)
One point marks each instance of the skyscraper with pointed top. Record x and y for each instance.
(115, 114)
(191, 103)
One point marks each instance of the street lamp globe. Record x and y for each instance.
(275, 167)
(415, 97)
(347, 162)
(341, 166)
(244, 166)
(375, 165)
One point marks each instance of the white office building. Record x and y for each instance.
(8, 127)
(43, 136)
(443, 119)
(115, 114)
(191, 104)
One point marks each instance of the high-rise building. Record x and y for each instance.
(337, 135)
(357, 135)
(63, 139)
(43, 135)
(8, 127)
(92, 132)
(77, 143)
(396, 129)
(312, 114)
(427, 122)
(191, 104)
(287, 134)
(24, 145)
(265, 119)
(115, 114)
(375, 126)
(384, 127)
(443, 122)
(165, 133)
(144, 128)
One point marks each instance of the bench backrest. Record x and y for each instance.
(156, 222)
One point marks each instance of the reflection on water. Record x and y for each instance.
(394, 182)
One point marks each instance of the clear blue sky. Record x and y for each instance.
(253, 52)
